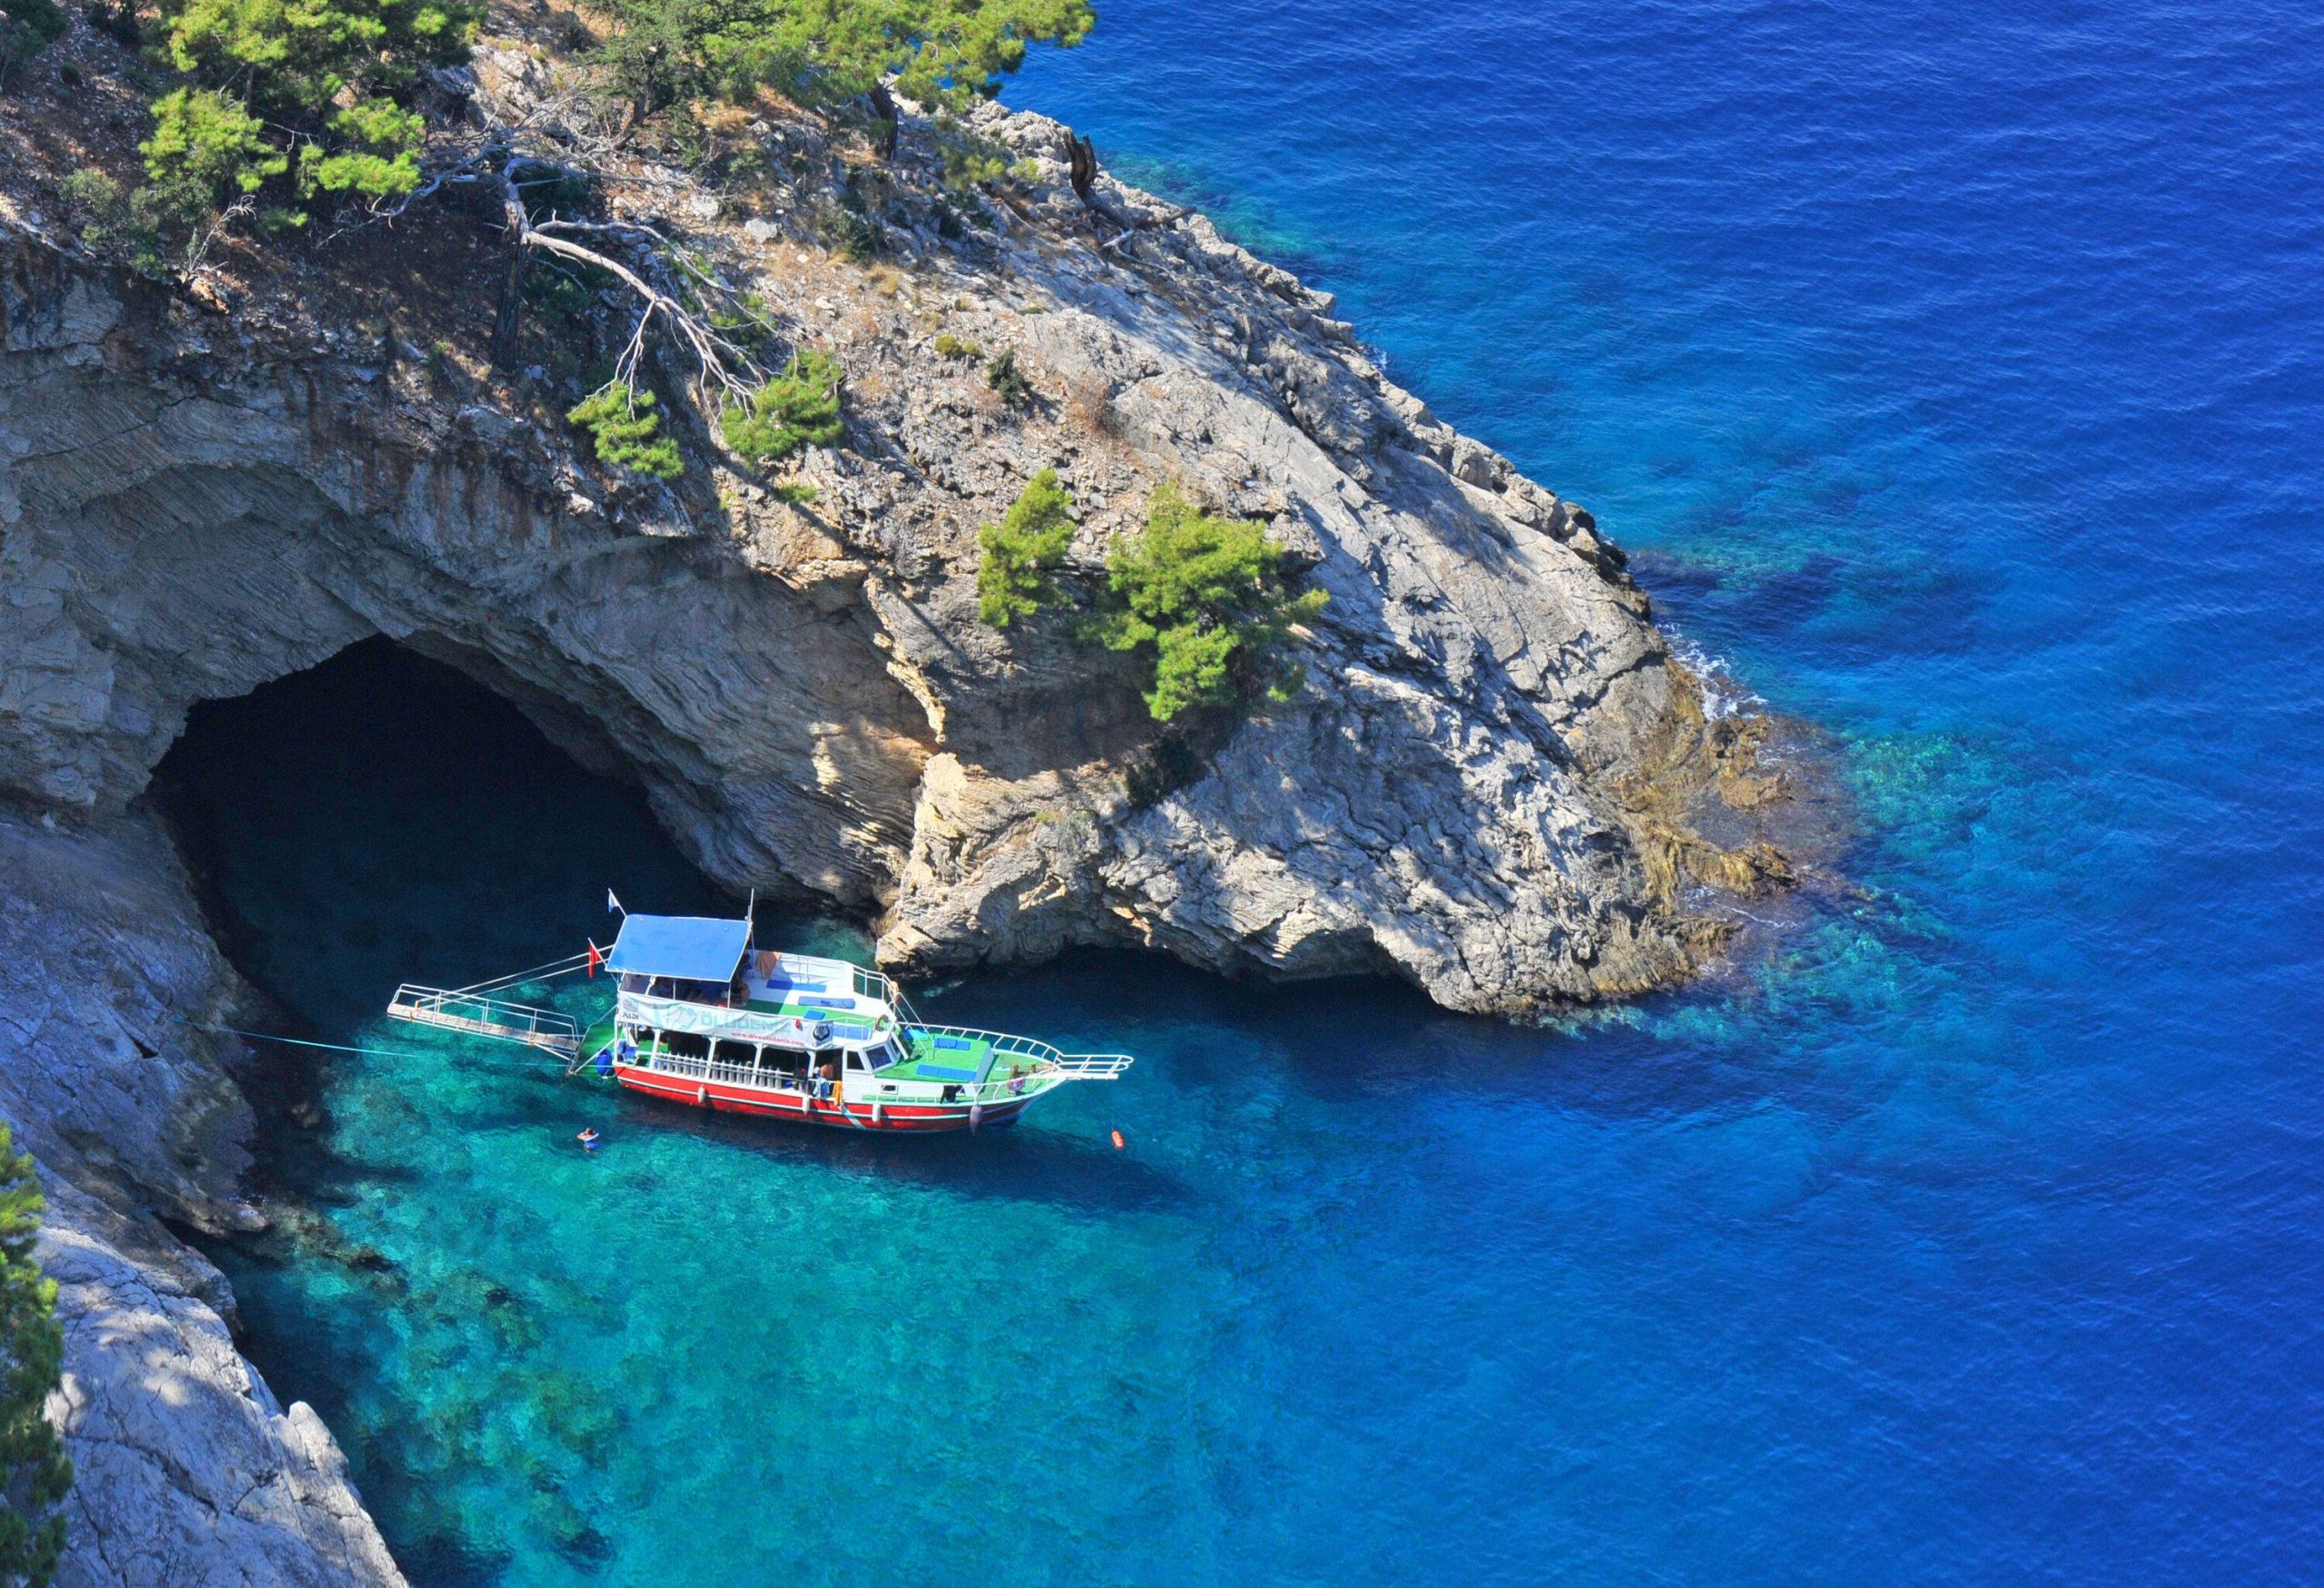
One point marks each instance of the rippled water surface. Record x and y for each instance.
(1954, 371)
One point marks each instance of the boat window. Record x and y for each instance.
(885, 1054)
(686, 1044)
(855, 1059)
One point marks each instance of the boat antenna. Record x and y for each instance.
(748, 910)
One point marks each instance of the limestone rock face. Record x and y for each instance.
(1487, 785)
(185, 1467)
(195, 503)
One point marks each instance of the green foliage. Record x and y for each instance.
(26, 28)
(823, 52)
(747, 322)
(1022, 552)
(1208, 596)
(34, 1473)
(376, 154)
(1004, 377)
(629, 431)
(206, 150)
(298, 60)
(110, 217)
(799, 407)
(797, 494)
(968, 160)
(948, 346)
(327, 77)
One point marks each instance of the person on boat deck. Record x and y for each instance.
(827, 1076)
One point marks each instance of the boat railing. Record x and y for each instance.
(1067, 1066)
(993, 1090)
(483, 1016)
(861, 983)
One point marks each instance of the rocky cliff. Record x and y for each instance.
(1496, 783)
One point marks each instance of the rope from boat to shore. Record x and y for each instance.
(303, 1042)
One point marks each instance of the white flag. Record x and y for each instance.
(612, 902)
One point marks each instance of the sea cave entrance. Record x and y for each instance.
(382, 817)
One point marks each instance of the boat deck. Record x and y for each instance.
(934, 1056)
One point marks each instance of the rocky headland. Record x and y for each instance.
(1497, 783)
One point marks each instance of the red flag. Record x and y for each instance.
(593, 958)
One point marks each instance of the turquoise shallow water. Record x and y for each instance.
(1955, 375)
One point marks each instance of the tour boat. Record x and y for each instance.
(701, 1017)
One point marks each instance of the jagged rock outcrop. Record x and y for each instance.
(197, 502)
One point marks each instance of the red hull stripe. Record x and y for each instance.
(854, 1116)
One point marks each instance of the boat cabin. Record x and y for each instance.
(694, 988)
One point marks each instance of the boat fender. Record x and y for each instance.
(880, 1113)
(702, 1095)
(975, 1116)
(1119, 1142)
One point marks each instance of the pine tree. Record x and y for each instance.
(799, 407)
(34, 1473)
(1022, 551)
(946, 54)
(1208, 595)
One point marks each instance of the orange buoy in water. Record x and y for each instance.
(1119, 1142)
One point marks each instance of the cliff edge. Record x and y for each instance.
(1497, 781)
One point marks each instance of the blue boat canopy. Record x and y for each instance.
(693, 947)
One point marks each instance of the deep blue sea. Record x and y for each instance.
(1955, 373)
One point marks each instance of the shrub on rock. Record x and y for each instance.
(799, 407)
(34, 1473)
(1022, 552)
(1209, 597)
(627, 431)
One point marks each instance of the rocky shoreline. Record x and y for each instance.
(1498, 783)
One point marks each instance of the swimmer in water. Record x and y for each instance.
(588, 1137)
